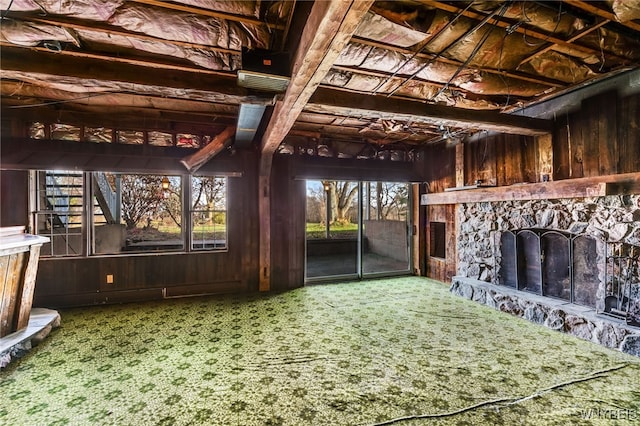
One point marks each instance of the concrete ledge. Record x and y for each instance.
(15, 345)
(558, 315)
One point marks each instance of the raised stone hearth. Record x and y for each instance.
(556, 314)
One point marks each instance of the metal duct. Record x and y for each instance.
(248, 121)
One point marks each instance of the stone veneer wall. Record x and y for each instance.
(614, 218)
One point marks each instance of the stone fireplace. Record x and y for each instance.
(580, 254)
(574, 269)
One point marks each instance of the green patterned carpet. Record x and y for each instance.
(361, 353)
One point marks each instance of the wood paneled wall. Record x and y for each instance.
(602, 138)
(439, 167)
(82, 281)
(288, 204)
(14, 200)
(501, 160)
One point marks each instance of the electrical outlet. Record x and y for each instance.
(109, 278)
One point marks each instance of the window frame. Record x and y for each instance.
(88, 233)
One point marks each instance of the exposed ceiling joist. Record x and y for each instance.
(77, 24)
(222, 87)
(529, 32)
(122, 119)
(21, 94)
(580, 34)
(376, 107)
(209, 12)
(127, 60)
(432, 57)
(328, 30)
(336, 132)
(594, 9)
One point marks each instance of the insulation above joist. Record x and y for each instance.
(163, 24)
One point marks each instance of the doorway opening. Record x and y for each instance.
(356, 229)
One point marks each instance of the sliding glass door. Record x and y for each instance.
(385, 238)
(355, 229)
(332, 229)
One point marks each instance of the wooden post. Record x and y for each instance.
(264, 210)
(328, 29)
(460, 165)
(545, 158)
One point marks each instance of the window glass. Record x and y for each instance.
(137, 213)
(58, 215)
(208, 213)
(129, 213)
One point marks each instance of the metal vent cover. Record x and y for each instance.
(261, 81)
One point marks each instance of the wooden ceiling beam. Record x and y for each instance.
(357, 134)
(595, 10)
(127, 119)
(327, 30)
(195, 161)
(375, 107)
(210, 13)
(26, 154)
(78, 24)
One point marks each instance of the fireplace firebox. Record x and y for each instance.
(575, 268)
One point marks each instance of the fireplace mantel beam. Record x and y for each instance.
(595, 186)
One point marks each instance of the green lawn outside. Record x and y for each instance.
(318, 230)
(314, 230)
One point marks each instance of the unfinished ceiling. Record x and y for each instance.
(407, 73)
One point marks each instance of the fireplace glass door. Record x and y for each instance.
(529, 268)
(508, 264)
(555, 259)
(550, 263)
(585, 275)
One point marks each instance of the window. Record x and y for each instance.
(136, 212)
(208, 213)
(105, 213)
(59, 212)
